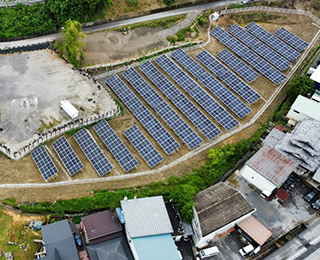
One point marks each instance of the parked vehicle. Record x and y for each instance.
(211, 251)
(246, 250)
(310, 196)
(316, 204)
(78, 241)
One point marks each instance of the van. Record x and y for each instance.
(211, 251)
(246, 250)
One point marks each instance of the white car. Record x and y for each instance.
(211, 251)
(247, 2)
(246, 250)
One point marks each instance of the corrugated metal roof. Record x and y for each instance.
(146, 217)
(303, 144)
(219, 205)
(271, 164)
(157, 247)
(255, 229)
(307, 107)
(274, 137)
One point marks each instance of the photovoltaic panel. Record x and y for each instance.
(275, 43)
(249, 56)
(212, 84)
(228, 77)
(93, 152)
(291, 39)
(146, 118)
(143, 146)
(197, 93)
(185, 106)
(237, 65)
(177, 124)
(68, 156)
(116, 146)
(44, 162)
(259, 47)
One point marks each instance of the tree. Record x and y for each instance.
(72, 44)
(300, 86)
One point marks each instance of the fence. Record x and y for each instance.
(272, 9)
(57, 131)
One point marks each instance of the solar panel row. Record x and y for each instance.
(93, 152)
(177, 124)
(180, 101)
(153, 126)
(44, 163)
(271, 40)
(143, 146)
(212, 84)
(228, 77)
(197, 93)
(237, 65)
(116, 146)
(249, 56)
(68, 156)
(291, 39)
(259, 47)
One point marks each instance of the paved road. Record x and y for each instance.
(305, 246)
(105, 26)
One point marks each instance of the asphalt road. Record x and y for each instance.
(305, 246)
(110, 25)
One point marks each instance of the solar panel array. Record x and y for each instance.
(116, 146)
(212, 84)
(197, 93)
(143, 146)
(185, 106)
(68, 156)
(249, 56)
(153, 126)
(275, 43)
(177, 124)
(228, 77)
(259, 47)
(237, 65)
(44, 162)
(93, 152)
(291, 39)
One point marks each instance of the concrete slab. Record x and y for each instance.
(32, 84)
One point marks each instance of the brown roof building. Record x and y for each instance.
(216, 210)
(101, 226)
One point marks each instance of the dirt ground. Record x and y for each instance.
(11, 172)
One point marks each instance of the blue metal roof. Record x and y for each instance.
(156, 247)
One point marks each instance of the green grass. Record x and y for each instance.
(10, 231)
(254, 17)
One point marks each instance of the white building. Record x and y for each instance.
(268, 169)
(216, 211)
(304, 108)
(69, 109)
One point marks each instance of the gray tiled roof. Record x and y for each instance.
(219, 205)
(114, 249)
(59, 241)
(146, 217)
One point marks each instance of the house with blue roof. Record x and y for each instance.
(148, 229)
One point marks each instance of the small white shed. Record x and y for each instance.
(69, 109)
